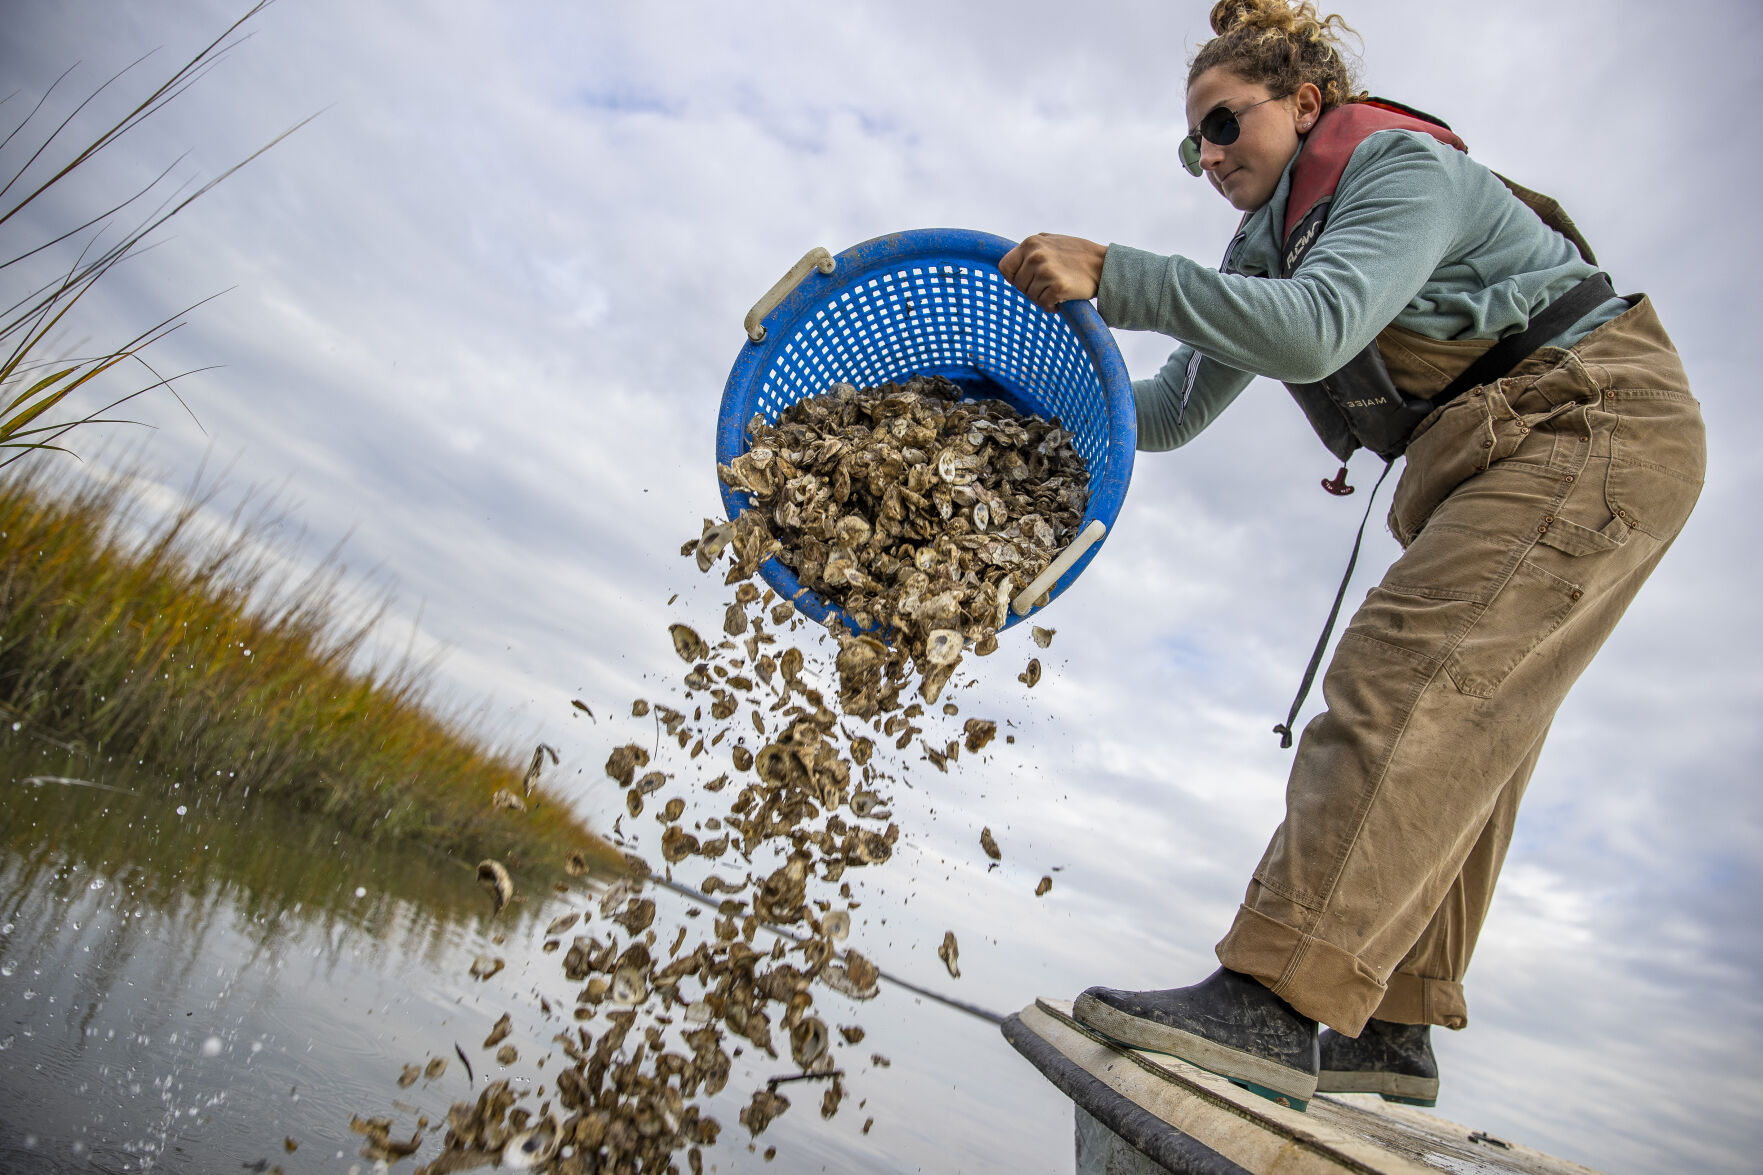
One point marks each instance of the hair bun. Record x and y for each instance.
(1280, 44)
(1230, 15)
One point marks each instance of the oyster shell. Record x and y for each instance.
(950, 954)
(989, 845)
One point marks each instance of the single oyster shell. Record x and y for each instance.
(687, 643)
(950, 953)
(808, 1041)
(535, 1147)
(836, 925)
(989, 845)
(630, 985)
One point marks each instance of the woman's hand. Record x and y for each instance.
(1052, 269)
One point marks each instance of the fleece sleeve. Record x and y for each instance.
(1394, 219)
(1183, 398)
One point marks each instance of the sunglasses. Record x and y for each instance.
(1220, 127)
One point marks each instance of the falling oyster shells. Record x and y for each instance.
(979, 732)
(1043, 636)
(500, 1031)
(506, 801)
(410, 1076)
(380, 1145)
(534, 1147)
(435, 1067)
(1032, 674)
(913, 509)
(637, 915)
(493, 876)
(855, 977)
(687, 643)
(808, 1041)
(1045, 885)
(622, 764)
(867, 804)
(576, 863)
(483, 966)
(630, 985)
(561, 923)
(677, 844)
(716, 537)
(765, 1106)
(655, 1024)
(836, 925)
(989, 845)
(507, 1055)
(949, 953)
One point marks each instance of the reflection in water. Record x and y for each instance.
(163, 953)
(185, 982)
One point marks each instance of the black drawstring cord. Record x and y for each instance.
(1284, 729)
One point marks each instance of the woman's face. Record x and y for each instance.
(1246, 172)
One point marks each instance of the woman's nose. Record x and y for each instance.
(1211, 155)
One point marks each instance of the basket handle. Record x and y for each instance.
(815, 258)
(1089, 537)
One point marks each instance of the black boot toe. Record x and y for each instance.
(1230, 1024)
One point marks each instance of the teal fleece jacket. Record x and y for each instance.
(1419, 235)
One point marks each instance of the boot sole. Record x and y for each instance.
(1392, 1087)
(1271, 1080)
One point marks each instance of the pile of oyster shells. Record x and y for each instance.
(922, 515)
(934, 513)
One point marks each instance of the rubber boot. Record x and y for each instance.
(1230, 1024)
(1393, 1060)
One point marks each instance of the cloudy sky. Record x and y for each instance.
(480, 312)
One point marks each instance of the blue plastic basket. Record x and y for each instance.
(932, 302)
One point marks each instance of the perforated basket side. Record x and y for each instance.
(932, 302)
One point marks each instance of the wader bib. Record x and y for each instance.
(1366, 403)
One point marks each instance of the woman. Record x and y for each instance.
(1415, 304)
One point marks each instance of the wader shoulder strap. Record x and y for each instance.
(1512, 350)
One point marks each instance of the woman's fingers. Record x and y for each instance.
(1051, 269)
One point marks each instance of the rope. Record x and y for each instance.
(1284, 729)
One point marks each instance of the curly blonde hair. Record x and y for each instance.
(1281, 45)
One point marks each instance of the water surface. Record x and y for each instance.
(190, 983)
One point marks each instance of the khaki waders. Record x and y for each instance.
(1530, 512)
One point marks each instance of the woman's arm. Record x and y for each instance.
(1183, 398)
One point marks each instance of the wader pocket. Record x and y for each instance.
(1526, 611)
(1656, 460)
(1451, 446)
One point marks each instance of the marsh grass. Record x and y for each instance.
(175, 647)
(37, 377)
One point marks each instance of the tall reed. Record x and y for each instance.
(37, 162)
(176, 650)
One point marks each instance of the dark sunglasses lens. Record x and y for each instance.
(1190, 154)
(1220, 127)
